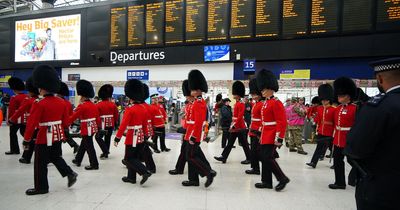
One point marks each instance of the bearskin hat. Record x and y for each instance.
(30, 87)
(197, 81)
(16, 83)
(185, 88)
(45, 77)
(106, 91)
(64, 90)
(253, 87)
(325, 92)
(315, 100)
(85, 88)
(134, 90)
(238, 89)
(361, 96)
(267, 80)
(146, 91)
(345, 86)
(218, 98)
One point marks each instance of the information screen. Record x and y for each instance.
(324, 16)
(357, 15)
(242, 14)
(136, 27)
(173, 21)
(294, 17)
(267, 18)
(118, 27)
(195, 20)
(218, 11)
(388, 15)
(155, 23)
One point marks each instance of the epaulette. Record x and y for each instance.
(374, 101)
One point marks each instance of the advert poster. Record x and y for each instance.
(48, 39)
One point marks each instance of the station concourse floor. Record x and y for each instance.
(232, 188)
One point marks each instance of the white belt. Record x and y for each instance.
(149, 121)
(88, 120)
(106, 116)
(255, 120)
(134, 127)
(159, 116)
(343, 128)
(27, 114)
(235, 118)
(269, 123)
(190, 122)
(50, 123)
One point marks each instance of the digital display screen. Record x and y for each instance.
(388, 15)
(118, 27)
(195, 20)
(267, 18)
(357, 15)
(242, 14)
(173, 21)
(155, 23)
(136, 26)
(218, 11)
(217, 53)
(324, 16)
(294, 18)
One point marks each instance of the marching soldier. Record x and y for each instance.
(255, 126)
(89, 116)
(373, 142)
(135, 122)
(24, 111)
(195, 133)
(108, 112)
(17, 85)
(159, 120)
(238, 126)
(50, 116)
(273, 129)
(344, 117)
(324, 120)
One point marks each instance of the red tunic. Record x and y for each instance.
(149, 115)
(89, 115)
(198, 113)
(24, 110)
(15, 103)
(50, 115)
(274, 121)
(325, 120)
(256, 118)
(312, 112)
(135, 121)
(108, 112)
(189, 117)
(344, 120)
(238, 116)
(158, 116)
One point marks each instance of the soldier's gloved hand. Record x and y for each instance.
(116, 141)
(278, 142)
(192, 140)
(25, 145)
(9, 122)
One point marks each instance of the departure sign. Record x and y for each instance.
(118, 27)
(242, 19)
(388, 15)
(195, 24)
(136, 28)
(173, 21)
(294, 17)
(218, 19)
(324, 16)
(357, 15)
(155, 23)
(267, 18)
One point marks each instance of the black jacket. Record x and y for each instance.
(226, 116)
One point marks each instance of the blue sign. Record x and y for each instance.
(217, 53)
(249, 66)
(137, 74)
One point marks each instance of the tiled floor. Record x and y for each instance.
(232, 189)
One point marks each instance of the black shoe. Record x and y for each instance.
(311, 165)
(72, 179)
(123, 162)
(76, 148)
(157, 151)
(222, 159)
(190, 183)
(321, 158)
(245, 162)
(23, 160)
(337, 187)
(302, 152)
(175, 172)
(328, 156)
(210, 179)
(126, 179)
(89, 168)
(263, 185)
(282, 184)
(144, 178)
(287, 145)
(213, 172)
(76, 163)
(252, 171)
(103, 156)
(292, 150)
(11, 153)
(153, 171)
(35, 192)
(166, 150)
(233, 147)
(332, 167)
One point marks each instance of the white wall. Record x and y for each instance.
(214, 71)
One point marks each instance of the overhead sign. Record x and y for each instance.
(295, 74)
(217, 53)
(137, 74)
(249, 66)
(74, 77)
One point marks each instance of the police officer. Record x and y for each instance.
(373, 142)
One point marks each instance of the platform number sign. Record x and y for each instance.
(249, 66)
(137, 74)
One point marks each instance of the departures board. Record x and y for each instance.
(155, 23)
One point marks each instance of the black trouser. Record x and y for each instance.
(133, 162)
(197, 163)
(225, 137)
(180, 164)
(104, 144)
(27, 154)
(14, 146)
(87, 146)
(43, 155)
(269, 164)
(232, 138)
(159, 132)
(329, 146)
(147, 158)
(322, 143)
(255, 148)
(338, 163)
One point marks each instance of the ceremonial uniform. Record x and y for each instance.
(159, 118)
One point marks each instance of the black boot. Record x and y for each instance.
(222, 159)
(210, 179)
(36, 192)
(282, 184)
(72, 179)
(190, 183)
(263, 185)
(128, 180)
(253, 171)
(175, 172)
(145, 177)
